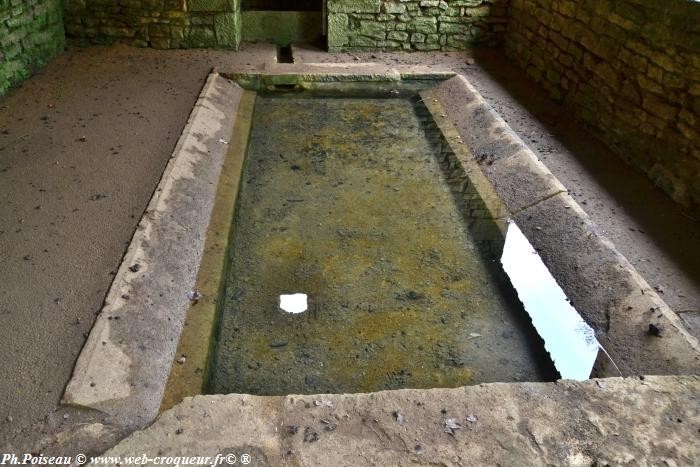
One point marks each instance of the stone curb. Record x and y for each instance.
(614, 421)
(604, 287)
(191, 368)
(305, 74)
(124, 365)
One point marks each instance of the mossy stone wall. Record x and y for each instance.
(31, 34)
(629, 70)
(161, 24)
(410, 25)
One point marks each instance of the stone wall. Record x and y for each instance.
(367, 25)
(160, 24)
(31, 34)
(628, 69)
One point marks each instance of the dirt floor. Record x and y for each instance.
(82, 147)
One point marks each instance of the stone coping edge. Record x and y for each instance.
(124, 365)
(601, 283)
(615, 421)
(190, 368)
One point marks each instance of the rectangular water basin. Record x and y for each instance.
(360, 204)
(381, 195)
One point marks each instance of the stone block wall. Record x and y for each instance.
(629, 70)
(369, 25)
(161, 24)
(31, 34)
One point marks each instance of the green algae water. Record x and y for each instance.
(349, 201)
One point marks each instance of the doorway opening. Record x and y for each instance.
(284, 21)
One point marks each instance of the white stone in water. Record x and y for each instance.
(294, 303)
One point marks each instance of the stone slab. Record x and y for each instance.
(227, 27)
(307, 75)
(597, 422)
(190, 370)
(521, 179)
(211, 5)
(604, 287)
(692, 321)
(124, 365)
(354, 6)
(608, 292)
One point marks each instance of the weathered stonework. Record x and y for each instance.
(650, 421)
(409, 25)
(628, 69)
(161, 24)
(31, 34)
(352, 24)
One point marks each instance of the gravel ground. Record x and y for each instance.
(82, 147)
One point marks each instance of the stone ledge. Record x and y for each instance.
(211, 5)
(598, 422)
(603, 286)
(608, 292)
(124, 365)
(354, 6)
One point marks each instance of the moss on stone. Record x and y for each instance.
(363, 25)
(212, 5)
(354, 6)
(31, 34)
(228, 30)
(200, 36)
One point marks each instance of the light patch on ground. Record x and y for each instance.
(105, 374)
(294, 303)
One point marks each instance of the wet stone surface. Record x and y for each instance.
(346, 200)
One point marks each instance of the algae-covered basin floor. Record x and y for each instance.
(346, 200)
